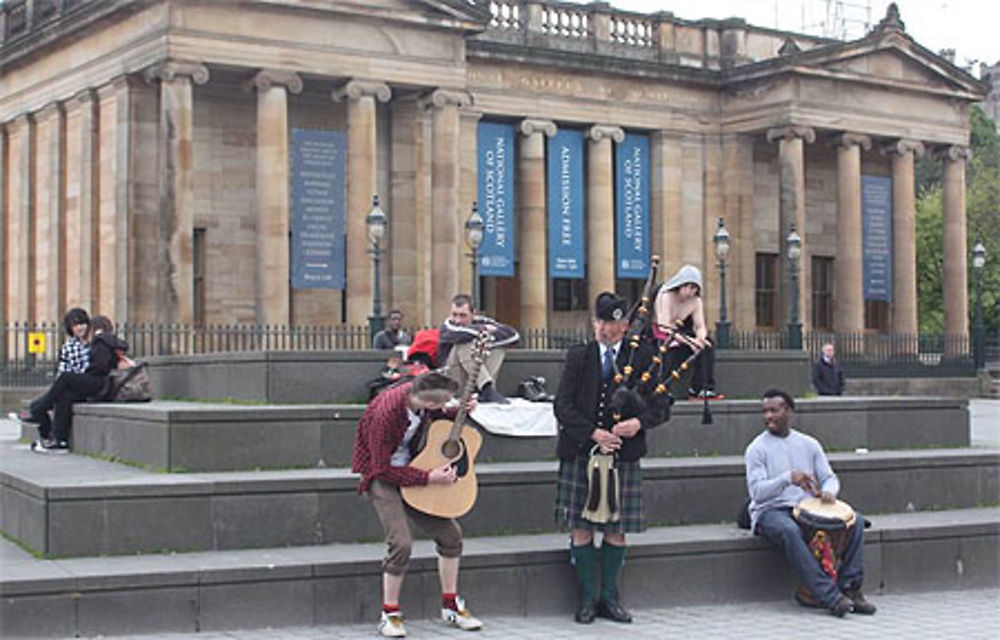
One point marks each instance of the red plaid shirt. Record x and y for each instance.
(380, 431)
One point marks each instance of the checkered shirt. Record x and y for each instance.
(74, 356)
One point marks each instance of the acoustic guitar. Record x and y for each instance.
(454, 443)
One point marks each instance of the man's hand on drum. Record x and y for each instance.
(805, 481)
(606, 440)
(827, 497)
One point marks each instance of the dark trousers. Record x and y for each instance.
(703, 367)
(67, 389)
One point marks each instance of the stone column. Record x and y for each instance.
(601, 209)
(272, 174)
(532, 234)
(81, 129)
(955, 258)
(4, 215)
(904, 237)
(737, 189)
(446, 221)
(791, 160)
(360, 96)
(176, 299)
(20, 223)
(114, 266)
(50, 234)
(468, 188)
(848, 295)
(665, 196)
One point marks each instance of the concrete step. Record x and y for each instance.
(179, 436)
(522, 575)
(72, 505)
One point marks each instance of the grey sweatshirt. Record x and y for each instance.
(770, 461)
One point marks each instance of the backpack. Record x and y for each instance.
(129, 382)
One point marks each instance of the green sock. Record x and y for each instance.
(612, 561)
(585, 560)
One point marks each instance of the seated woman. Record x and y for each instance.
(105, 349)
(678, 306)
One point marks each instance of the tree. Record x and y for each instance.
(982, 201)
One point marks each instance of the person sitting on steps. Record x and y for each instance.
(455, 344)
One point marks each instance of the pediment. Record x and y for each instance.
(900, 65)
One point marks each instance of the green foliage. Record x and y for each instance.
(982, 201)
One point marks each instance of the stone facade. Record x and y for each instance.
(160, 121)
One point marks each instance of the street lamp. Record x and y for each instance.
(474, 238)
(376, 221)
(794, 242)
(978, 262)
(721, 241)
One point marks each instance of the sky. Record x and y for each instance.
(971, 27)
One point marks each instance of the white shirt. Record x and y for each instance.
(401, 457)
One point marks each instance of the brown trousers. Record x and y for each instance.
(392, 513)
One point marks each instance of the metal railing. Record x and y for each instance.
(861, 355)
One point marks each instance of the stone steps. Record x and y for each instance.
(78, 506)
(507, 575)
(184, 436)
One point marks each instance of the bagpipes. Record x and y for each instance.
(633, 394)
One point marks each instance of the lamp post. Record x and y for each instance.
(794, 242)
(978, 262)
(376, 221)
(474, 238)
(721, 241)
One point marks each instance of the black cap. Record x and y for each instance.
(610, 307)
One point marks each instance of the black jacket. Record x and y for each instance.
(581, 391)
(104, 350)
(828, 378)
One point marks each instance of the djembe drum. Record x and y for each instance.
(827, 528)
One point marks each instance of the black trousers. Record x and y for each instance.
(703, 367)
(67, 389)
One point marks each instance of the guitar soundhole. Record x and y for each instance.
(451, 449)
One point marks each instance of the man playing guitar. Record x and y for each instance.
(387, 439)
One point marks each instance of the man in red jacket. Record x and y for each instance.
(386, 442)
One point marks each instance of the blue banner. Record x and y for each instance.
(565, 187)
(876, 228)
(495, 145)
(632, 207)
(318, 196)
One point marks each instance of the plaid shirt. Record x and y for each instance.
(380, 432)
(74, 356)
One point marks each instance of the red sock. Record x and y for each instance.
(448, 601)
(390, 608)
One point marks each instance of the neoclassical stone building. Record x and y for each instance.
(155, 154)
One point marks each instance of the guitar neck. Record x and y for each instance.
(470, 384)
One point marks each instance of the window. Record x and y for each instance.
(198, 246)
(766, 297)
(877, 315)
(629, 288)
(822, 292)
(569, 294)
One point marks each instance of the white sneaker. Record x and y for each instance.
(391, 625)
(460, 618)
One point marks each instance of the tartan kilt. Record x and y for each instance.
(571, 498)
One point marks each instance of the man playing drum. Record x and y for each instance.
(784, 466)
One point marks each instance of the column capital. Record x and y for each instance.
(47, 112)
(954, 153)
(466, 113)
(791, 132)
(599, 132)
(356, 89)
(903, 146)
(847, 140)
(445, 97)
(267, 78)
(170, 70)
(81, 98)
(531, 126)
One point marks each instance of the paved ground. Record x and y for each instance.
(968, 615)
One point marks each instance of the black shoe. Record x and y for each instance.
(586, 613)
(50, 446)
(859, 604)
(489, 394)
(841, 607)
(613, 610)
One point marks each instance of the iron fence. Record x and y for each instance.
(861, 355)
